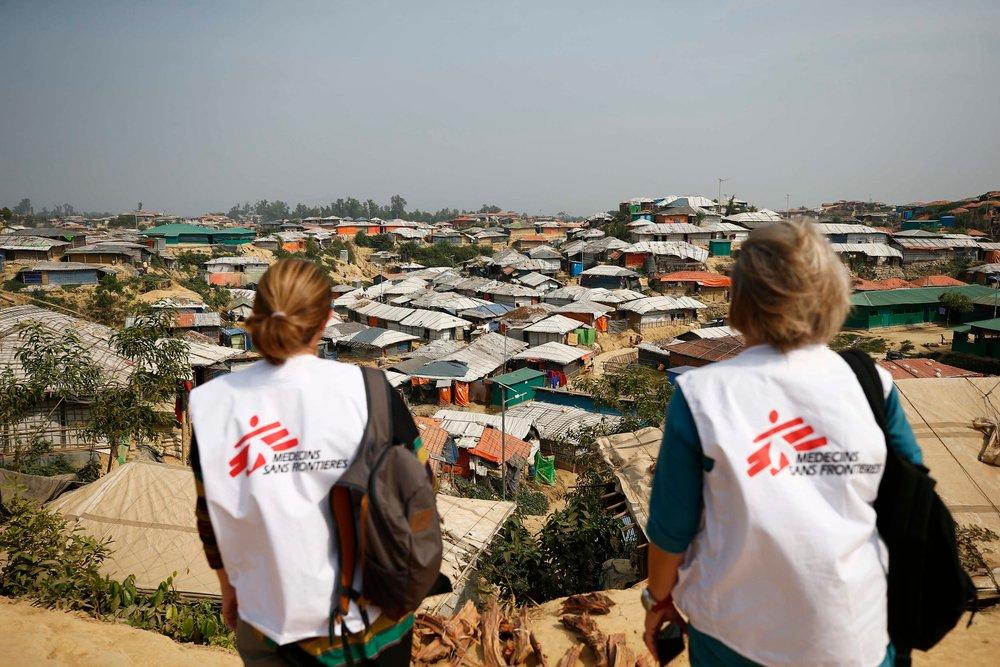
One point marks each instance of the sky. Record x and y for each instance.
(536, 107)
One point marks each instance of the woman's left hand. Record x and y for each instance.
(656, 620)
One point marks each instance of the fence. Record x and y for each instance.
(620, 362)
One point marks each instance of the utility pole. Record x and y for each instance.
(788, 206)
(503, 427)
(721, 181)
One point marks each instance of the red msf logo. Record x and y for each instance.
(790, 436)
(272, 435)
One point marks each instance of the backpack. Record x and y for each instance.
(928, 588)
(385, 512)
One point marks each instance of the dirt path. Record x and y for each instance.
(34, 636)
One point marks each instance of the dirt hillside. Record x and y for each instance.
(34, 636)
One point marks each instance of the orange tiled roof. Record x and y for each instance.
(937, 281)
(488, 446)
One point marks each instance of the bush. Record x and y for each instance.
(529, 500)
(37, 459)
(565, 558)
(60, 568)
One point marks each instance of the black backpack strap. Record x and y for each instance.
(871, 384)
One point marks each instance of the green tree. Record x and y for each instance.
(566, 556)
(637, 392)
(24, 207)
(397, 206)
(6, 214)
(955, 303)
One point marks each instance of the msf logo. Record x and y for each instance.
(779, 442)
(272, 435)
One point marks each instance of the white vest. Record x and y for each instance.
(788, 568)
(272, 442)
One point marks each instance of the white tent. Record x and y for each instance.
(147, 509)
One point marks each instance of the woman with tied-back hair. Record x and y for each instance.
(761, 521)
(271, 440)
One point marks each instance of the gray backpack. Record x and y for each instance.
(386, 520)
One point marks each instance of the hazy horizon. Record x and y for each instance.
(571, 107)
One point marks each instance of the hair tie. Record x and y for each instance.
(278, 313)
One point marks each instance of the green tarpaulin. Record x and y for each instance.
(545, 469)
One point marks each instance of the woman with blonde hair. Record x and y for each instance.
(271, 441)
(761, 520)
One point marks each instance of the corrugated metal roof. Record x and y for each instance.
(12, 242)
(449, 301)
(558, 324)
(612, 297)
(711, 332)
(569, 292)
(64, 266)
(662, 303)
(613, 271)
(827, 228)
(533, 280)
(554, 352)
(508, 289)
(708, 349)
(236, 261)
(557, 422)
(669, 248)
(668, 229)
(533, 265)
(488, 311)
(376, 337)
(586, 307)
(407, 285)
(933, 244)
(382, 311)
(484, 355)
(869, 249)
(433, 320)
(544, 252)
(469, 425)
(755, 216)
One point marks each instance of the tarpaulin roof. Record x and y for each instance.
(703, 278)
(147, 510)
(489, 447)
(631, 457)
(941, 412)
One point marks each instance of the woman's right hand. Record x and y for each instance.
(230, 608)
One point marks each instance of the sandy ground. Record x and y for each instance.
(557, 499)
(978, 645)
(34, 636)
(926, 337)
